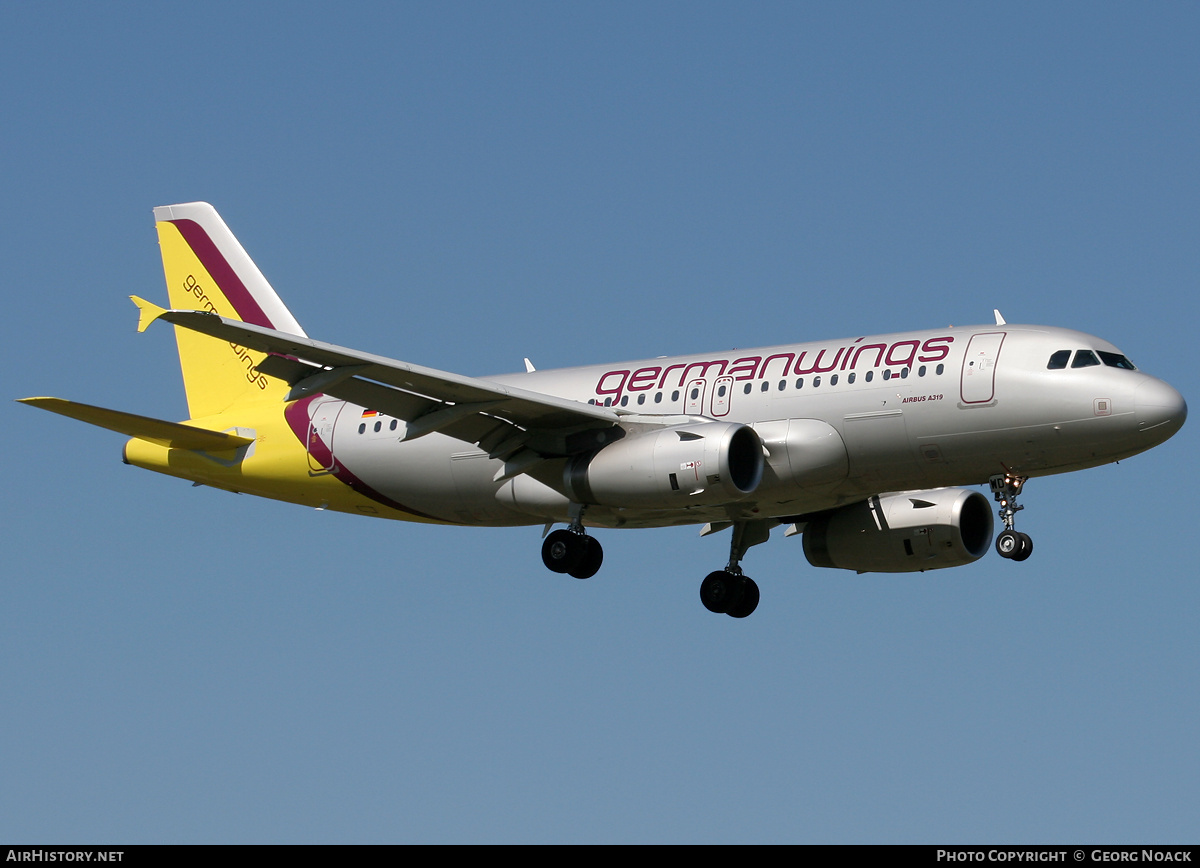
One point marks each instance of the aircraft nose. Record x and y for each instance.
(1160, 408)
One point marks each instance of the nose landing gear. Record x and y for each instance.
(1010, 543)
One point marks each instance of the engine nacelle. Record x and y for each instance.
(902, 533)
(694, 464)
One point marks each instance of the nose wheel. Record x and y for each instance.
(1014, 545)
(1010, 543)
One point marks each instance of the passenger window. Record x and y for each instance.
(782, 385)
(850, 379)
(941, 368)
(642, 398)
(833, 380)
(800, 383)
(675, 395)
(921, 371)
(816, 382)
(904, 373)
(887, 375)
(658, 397)
(362, 428)
(747, 389)
(870, 376)
(765, 386)
(392, 425)
(1085, 359)
(721, 392)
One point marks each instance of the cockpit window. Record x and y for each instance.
(1116, 360)
(1085, 359)
(1058, 360)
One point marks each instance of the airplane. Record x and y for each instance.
(866, 446)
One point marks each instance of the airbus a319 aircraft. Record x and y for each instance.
(863, 445)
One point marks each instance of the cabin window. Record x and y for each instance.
(782, 385)
(642, 399)
(816, 382)
(765, 386)
(675, 395)
(800, 383)
(870, 376)
(850, 377)
(624, 400)
(921, 371)
(721, 391)
(1085, 359)
(833, 380)
(887, 375)
(1058, 360)
(747, 389)
(378, 425)
(658, 397)
(362, 428)
(904, 373)
(393, 425)
(940, 368)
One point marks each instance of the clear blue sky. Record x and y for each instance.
(462, 185)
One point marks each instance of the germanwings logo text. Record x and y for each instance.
(848, 358)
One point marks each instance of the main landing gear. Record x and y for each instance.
(572, 551)
(729, 591)
(1010, 543)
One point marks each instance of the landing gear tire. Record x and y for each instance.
(1026, 548)
(749, 600)
(1014, 545)
(564, 551)
(721, 591)
(593, 557)
(1009, 545)
(727, 593)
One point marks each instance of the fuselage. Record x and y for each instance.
(839, 421)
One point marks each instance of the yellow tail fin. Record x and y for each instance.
(207, 269)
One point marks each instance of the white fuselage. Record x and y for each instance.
(839, 421)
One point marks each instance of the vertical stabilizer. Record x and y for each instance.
(207, 269)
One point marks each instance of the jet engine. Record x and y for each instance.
(902, 533)
(694, 464)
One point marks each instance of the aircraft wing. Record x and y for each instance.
(432, 400)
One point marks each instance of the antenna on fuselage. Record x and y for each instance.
(999, 319)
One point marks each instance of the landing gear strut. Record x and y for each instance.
(729, 591)
(572, 551)
(1010, 543)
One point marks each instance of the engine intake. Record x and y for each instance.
(902, 533)
(697, 463)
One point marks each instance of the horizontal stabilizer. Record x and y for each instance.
(169, 434)
(148, 312)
